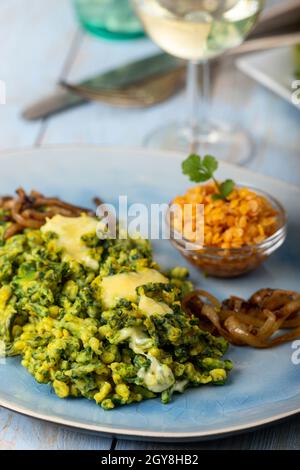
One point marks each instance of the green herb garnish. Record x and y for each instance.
(200, 170)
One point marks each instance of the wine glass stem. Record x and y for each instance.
(198, 91)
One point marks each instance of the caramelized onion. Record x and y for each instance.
(255, 322)
(32, 210)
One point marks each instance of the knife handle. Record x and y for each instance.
(54, 103)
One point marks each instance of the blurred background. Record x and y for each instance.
(44, 42)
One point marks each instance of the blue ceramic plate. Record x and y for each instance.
(264, 386)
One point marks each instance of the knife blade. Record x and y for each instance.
(121, 77)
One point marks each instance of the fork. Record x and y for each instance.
(146, 93)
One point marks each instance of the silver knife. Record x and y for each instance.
(121, 77)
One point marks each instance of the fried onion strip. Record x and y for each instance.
(256, 322)
(32, 210)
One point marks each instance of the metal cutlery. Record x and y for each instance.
(145, 93)
(117, 80)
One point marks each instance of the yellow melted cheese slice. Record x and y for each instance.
(150, 307)
(69, 231)
(123, 286)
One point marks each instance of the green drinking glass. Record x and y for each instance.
(112, 19)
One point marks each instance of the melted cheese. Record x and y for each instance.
(158, 377)
(123, 286)
(150, 307)
(179, 386)
(69, 231)
(139, 341)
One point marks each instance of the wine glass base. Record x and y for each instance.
(234, 145)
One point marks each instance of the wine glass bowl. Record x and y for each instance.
(198, 31)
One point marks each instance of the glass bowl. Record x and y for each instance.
(233, 262)
(111, 19)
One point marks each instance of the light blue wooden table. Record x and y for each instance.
(41, 43)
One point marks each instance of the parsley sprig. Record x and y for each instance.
(200, 170)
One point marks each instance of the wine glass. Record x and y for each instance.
(199, 30)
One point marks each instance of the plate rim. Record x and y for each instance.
(162, 436)
(8, 152)
(246, 65)
(125, 432)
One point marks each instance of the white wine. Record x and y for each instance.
(198, 29)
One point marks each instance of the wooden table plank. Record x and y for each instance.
(18, 432)
(281, 436)
(30, 63)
